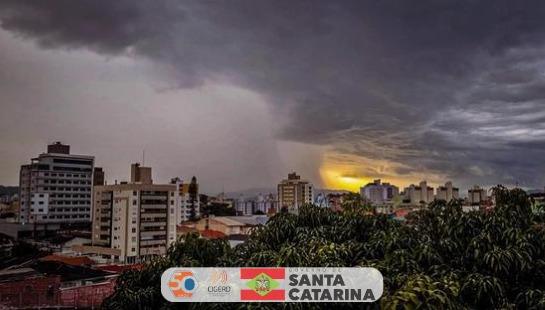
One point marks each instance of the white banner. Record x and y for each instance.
(290, 284)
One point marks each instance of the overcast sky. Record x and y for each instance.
(239, 93)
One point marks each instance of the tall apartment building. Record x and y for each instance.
(294, 192)
(136, 219)
(378, 192)
(419, 193)
(183, 205)
(476, 195)
(447, 192)
(56, 188)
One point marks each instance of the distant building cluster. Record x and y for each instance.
(379, 192)
(420, 194)
(262, 204)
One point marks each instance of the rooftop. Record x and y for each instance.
(119, 268)
(251, 220)
(19, 274)
(211, 233)
(68, 272)
(227, 220)
(70, 260)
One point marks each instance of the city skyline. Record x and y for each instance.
(342, 93)
(139, 172)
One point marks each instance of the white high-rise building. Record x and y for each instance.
(476, 195)
(378, 192)
(294, 192)
(56, 188)
(447, 192)
(421, 193)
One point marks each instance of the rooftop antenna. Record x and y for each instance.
(143, 158)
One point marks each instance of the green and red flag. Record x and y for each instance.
(262, 284)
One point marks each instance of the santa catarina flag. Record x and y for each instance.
(262, 284)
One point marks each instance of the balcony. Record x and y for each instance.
(148, 243)
(153, 223)
(154, 206)
(153, 235)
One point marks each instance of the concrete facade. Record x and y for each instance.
(379, 192)
(137, 219)
(476, 195)
(56, 188)
(447, 192)
(294, 192)
(421, 193)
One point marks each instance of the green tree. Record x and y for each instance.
(442, 259)
(26, 250)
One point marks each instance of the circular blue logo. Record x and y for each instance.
(189, 284)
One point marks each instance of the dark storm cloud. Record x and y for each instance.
(446, 86)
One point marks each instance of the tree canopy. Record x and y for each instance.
(443, 258)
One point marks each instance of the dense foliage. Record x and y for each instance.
(26, 250)
(218, 209)
(442, 258)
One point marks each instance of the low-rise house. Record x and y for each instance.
(42, 283)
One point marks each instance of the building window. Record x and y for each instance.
(134, 230)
